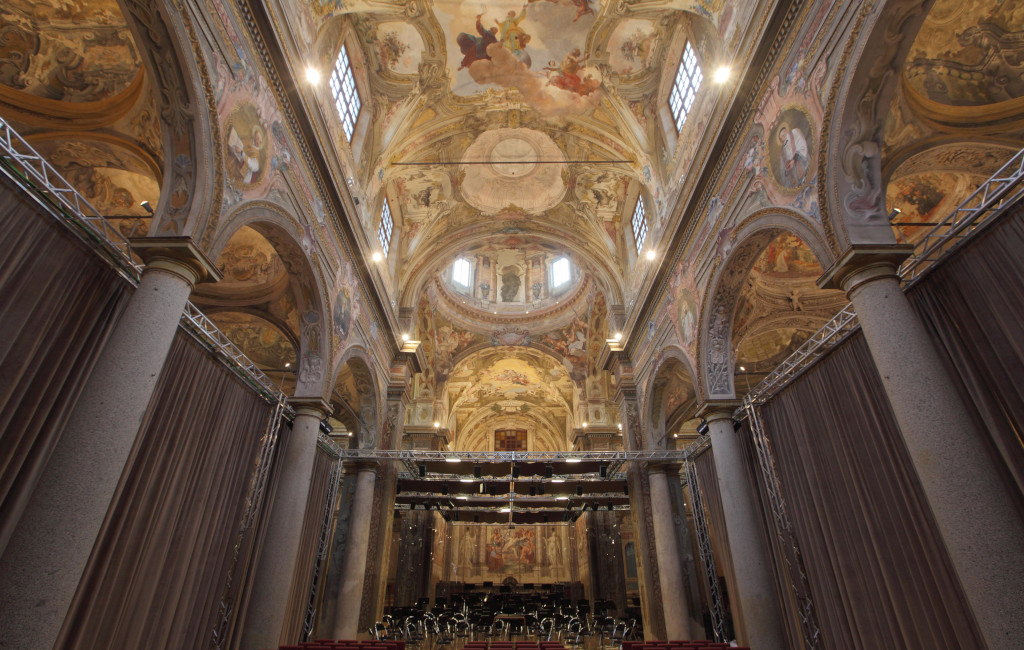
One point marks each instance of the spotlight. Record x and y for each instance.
(618, 336)
(549, 471)
(312, 75)
(444, 489)
(405, 337)
(423, 471)
(895, 213)
(376, 257)
(610, 506)
(325, 427)
(147, 207)
(540, 490)
(515, 471)
(579, 490)
(603, 471)
(437, 425)
(533, 490)
(722, 74)
(477, 471)
(650, 254)
(481, 490)
(702, 428)
(625, 489)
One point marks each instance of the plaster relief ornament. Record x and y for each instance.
(513, 169)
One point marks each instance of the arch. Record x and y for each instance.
(192, 186)
(670, 368)
(293, 244)
(354, 389)
(851, 193)
(715, 345)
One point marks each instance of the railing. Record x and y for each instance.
(1002, 190)
(37, 176)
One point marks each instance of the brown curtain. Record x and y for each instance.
(788, 590)
(305, 560)
(878, 571)
(157, 572)
(58, 304)
(711, 497)
(973, 306)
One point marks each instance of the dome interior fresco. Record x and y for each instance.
(76, 51)
(969, 53)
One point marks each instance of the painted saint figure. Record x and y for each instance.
(793, 155)
(474, 48)
(513, 37)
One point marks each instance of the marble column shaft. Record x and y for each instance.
(264, 622)
(670, 567)
(350, 594)
(972, 506)
(756, 600)
(48, 552)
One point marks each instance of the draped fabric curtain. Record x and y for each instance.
(787, 589)
(58, 304)
(157, 572)
(305, 559)
(972, 305)
(711, 496)
(878, 570)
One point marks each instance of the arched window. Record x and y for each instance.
(387, 224)
(684, 89)
(346, 97)
(561, 272)
(462, 272)
(639, 223)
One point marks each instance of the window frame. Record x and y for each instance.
(469, 274)
(687, 82)
(557, 287)
(386, 228)
(639, 223)
(345, 93)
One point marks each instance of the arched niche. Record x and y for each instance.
(771, 270)
(355, 399)
(671, 396)
(264, 259)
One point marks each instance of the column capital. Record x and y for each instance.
(864, 263)
(179, 255)
(718, 409)
(314, 406)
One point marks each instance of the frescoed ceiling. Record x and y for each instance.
(963, 47)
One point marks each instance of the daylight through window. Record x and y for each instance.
(346, 97)
(639, 223)
(684, 90)
(560, 272)
(461, 271)
(386, 225)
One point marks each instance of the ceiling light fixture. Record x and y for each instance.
(405, 337)
(312, 75)
(466, 480)
(453, 459)
(376, 257)
(722, 74)
(618, 336)
(437, 425)
(650, 254)
(573, 460)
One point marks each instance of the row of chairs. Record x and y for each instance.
(345, 644)
(680, 645)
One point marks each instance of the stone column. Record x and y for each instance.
(755, 602)
(350, 594)
(972, 506)
(670, 568)
(272, 584)
(44, 561)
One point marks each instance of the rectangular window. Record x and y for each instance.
(684, 90)
(639, 223)
(560, 272)
(386, 225)
(346, 97)
(461, 272)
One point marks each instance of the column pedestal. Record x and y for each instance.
(271, 593)
(350, 594)
(670, 568)
(44, 561)
(759, 623)
(971, 504)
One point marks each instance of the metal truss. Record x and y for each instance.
(820, 342)
(707, 557)
(791, 555)
(199, 324)
(253, 506)
(321, 548)
(1000, 191)
(36, 175)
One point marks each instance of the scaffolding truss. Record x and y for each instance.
(337, 473)
(707, 557)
